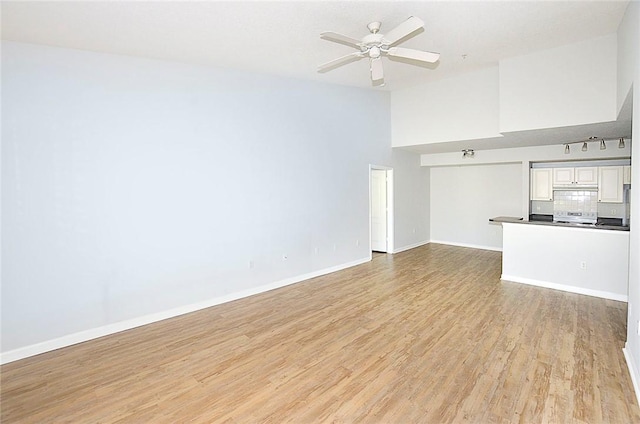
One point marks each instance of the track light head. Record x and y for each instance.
(467, 153)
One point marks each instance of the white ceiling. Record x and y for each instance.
(282, 38)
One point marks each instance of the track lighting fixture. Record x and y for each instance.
(467, 153)
(585, 144)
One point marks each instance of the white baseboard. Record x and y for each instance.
(563, 287)
(633, 371)
(411, 246)
(94, 333)
(472, 246)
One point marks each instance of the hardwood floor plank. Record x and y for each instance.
(430, 335)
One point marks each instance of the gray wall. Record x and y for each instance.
(463, 198)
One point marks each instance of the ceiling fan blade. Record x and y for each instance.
(428, 57)
(352, 57)
(377, 72)
(401, 31)
(342, 39)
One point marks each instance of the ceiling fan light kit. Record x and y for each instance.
(376, 45)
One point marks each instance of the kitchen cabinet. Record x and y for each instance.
(610, 181)
(627, 175)
(541, 184)
(586, 175)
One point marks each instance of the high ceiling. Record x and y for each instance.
(282, 38)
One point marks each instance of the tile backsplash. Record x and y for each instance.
(576, 201)
(575, 206)
(542, 207)
(612, 210)
(604, 210)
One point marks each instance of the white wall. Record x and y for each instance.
(412, 203)
(628, 36)
(464, 198)
(460, 108)
(568, 85)
(579, 260)
(627, 41)
(133, 188)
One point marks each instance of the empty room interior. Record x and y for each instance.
(322, 211)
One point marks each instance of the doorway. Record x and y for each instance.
(381, 209)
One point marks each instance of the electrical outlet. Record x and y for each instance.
(538, 208)
(357, 242)
(613, 211)
(583, 265)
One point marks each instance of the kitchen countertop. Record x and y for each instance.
(603, 223)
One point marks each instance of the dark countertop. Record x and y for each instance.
(602, 224)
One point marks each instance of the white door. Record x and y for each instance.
(379, 210)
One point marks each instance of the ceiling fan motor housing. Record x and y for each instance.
(374, 52)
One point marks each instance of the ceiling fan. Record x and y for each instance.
(376, 45)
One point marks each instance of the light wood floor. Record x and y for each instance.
(430, 335)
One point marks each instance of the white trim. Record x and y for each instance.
(563, 287)
(633, 372)
(94, 333)
(391, 235)
(390, 207)
(472, 246)
(411, 246)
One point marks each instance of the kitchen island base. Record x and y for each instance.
(593, 262)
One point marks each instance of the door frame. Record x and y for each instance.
(390, 207)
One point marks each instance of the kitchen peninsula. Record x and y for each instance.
(586, 260)
(580, 241)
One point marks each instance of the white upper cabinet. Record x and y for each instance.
(627, 174)
(541, 184)
(587, 175)
(610, 181)
(563, 176)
